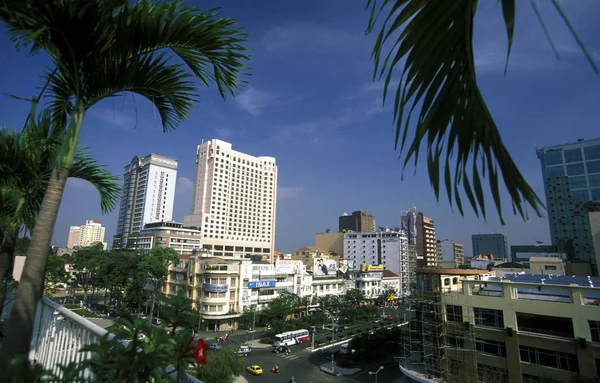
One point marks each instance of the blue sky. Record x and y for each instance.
(311, 104)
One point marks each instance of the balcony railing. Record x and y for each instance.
(59, 334)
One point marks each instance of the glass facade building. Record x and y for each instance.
(571, 174)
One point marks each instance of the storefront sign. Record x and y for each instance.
(215, 288)
(260, 284)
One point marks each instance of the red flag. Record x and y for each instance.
(200, 351)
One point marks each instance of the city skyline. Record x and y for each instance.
(322, 119)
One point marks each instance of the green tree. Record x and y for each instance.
(221, 367)
(87, 266)
(99, 49)
(177, 311)
(284, 305)
(26, 161)
(430, 45)
(354, 297)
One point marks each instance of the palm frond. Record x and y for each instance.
(88, 169)
(435, 40)
(209, 45)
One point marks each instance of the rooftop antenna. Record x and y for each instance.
(202, 141)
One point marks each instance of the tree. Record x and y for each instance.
(222, 367)
(177, 311)
(100, 49)
(285, 304)
(432, 43)
(354, 296)
(26, 161)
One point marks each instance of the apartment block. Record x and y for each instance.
(386, 248)
(235, 199)
(450, 254)
(148, 195)
(426, 244)
(86, 235)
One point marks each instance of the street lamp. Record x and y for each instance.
(376, 372)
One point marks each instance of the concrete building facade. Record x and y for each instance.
(358, 221)
(486, 244)
(235, 199)
(86, 235)
(147, 196)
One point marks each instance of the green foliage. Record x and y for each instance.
(372, 347)
(354, 296)
(266, 340)
(177, 311)
(284, 305)
(221, 367)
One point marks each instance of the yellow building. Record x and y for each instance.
(468, 326)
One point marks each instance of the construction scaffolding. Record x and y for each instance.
(438, 345)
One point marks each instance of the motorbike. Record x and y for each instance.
(275, 370)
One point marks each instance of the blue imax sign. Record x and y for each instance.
(260, 284)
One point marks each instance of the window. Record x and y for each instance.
(592, 152)
(489, 317)
(486, 374)
(549, 358)
(550, 267)
(595, 330)
(593, 166)
(545, 324)
(490, 347)
(454, 313)
(555, 171)
(578, 182)
(595, 194)
(594, 180)
(575, 169)
(553, 157)
(456, 341)
(573, 155)
(580, 195)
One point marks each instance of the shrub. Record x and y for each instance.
(265, 340)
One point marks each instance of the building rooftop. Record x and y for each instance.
(562, 280)
(389, 274)
(451, 271)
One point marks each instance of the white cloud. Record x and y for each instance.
(114, 117)
(184, 184)
(283, 193)
(254, 101)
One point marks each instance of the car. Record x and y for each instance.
(255, 369)
(280, 349)
(244, 350)
(377, 321)
(214, 347)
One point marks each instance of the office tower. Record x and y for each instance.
(571, 174)
(485, 244)
(235, 199)
(86, 235)
(359, 221)
(147, 196)
(409, 226)
(421, 234)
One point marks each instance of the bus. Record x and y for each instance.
(290, 337)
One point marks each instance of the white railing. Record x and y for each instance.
(59, 334)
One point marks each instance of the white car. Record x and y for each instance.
(244, 351)
(215, 347)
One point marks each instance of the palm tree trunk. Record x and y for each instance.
(17, 340)
(7, 258)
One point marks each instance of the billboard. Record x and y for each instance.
(215, 288)
(287, 266)
(346, 266)
(366, 268)
(324, 266)
(412, 230)
(261, 284)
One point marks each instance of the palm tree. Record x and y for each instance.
(432, 42)
(26, 161)
(101, 49)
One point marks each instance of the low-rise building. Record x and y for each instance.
(369, 280)
(468, 326)
(390, 281)
(166, 234)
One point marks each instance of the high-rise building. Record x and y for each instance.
(409, 226)
(147, 196)
(571, 174)
(235, 198)
(426, 245)
(358, 221)
(86, 235)
(388, 248)
(486, 244)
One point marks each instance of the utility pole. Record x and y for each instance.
(254, 323)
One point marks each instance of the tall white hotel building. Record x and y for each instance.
(234, 201)
(147, 196)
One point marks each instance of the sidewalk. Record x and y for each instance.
(256, 344)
